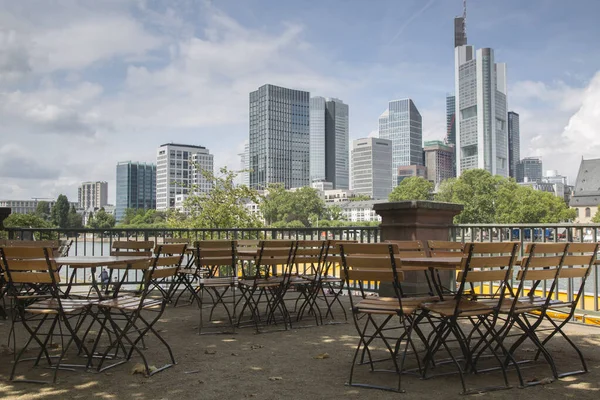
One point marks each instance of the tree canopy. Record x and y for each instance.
(60, 212)
(42, 210)
(101, 220)
(141, 217)
(26, 221)
(495, 199)
(280, 206)
(412, 188)
(222, 207)
(596, 217)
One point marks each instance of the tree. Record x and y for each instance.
(334, 213)
(412, 188)
(26, 221)
(60, 212)
(223, 207)
(74, 219)
(42, 210)
(596, 218)
(102, 220)
(360, 197)
(280, 205)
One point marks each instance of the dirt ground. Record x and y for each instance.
(280, 364)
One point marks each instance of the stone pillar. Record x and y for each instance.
(416, 220)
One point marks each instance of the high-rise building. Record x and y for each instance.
(136, 187)
(439, 160)
(514, 143)
(179, 171)
(371, 162)
(329, 133)
(279, 137)
(481, 111)
(460, 31)
(402, 124)
(244, 177)
(529, 169)
(408, 171)
(92, 195)
(450, 119)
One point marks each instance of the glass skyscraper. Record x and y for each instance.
(136, 187)
(402, 124)
(329, 133)
(279, 140)
(514, 143)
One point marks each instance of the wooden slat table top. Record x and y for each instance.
(98, 261)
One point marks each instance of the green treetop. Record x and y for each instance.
(412, 188)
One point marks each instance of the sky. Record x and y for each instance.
(86, 84)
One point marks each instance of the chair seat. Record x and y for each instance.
(466, 308)
(216, 282)
(130, 303)
(412, 301)
(51, 306)
(383, 305)
(271, 282)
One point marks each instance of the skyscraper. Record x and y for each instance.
(92, 195)
(329, 133)
(244, 177)
(460, 30)
(439, 160)
(179, 170)
(514, 143)
(529, 169)
(481, 111)
(402, 124)
(136, 187)
(450, 119)
(372, 167)
(279, 137)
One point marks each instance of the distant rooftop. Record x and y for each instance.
(183, 145)
(587, 186)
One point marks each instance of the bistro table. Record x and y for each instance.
(93, 262)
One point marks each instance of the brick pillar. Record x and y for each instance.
(416, 220)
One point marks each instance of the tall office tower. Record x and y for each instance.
(450, 119)
(514, 143)
(529, 169)
(329, 133)
(93, 194)
(481, 114)
(279, 137)
(439, 160)
(460, 30)
(402, 124)
(372, 167)
(179, 170)
(244, 177)
(136, 187)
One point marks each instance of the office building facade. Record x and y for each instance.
(92, 195)
(279, 140)
(136, 187)
(371, 162)
(244, 175)
(402, 124)
(481, 111)
(439, 160)
(329, 135)
(179, 171)
(514, 143)
(529, 169)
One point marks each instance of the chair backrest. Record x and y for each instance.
(217, 256)
(578, 264)
(30, 265)
(167, 261)
(310, 255)
(371, 262)
(176, 240)
(487, 263)
(409, 248)
(441, 248)
(273, 254)
(132, 248)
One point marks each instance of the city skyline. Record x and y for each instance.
(183, 76)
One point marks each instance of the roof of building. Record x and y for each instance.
(183, 145)
(360, 204)
(587, 186)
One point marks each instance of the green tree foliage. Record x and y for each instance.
(281, 206)
(494, 199)
(74, 219)
(334, 213)
(101, 220)
(412, 188)
(596, 217)
(60, 212)
(360, 197)
(223, 207)
(42, 210)
(144, 218)
(26, 221)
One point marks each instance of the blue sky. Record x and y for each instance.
(85, 84)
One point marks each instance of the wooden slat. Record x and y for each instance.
(404, 245)
(216, 252)
(577, 260)
(539, 262)
(568, 272)
(163, 272)
(216, 261)
(136, 253)
(582, 247)
(216, 244)
(176, 240)
(33, 277)
(369, 248)
(489, 262)
(491, 248)
(381, 275)
(166, 261)
(30, 265)
(53, 244)
(445, 245)
(546, 247)
(537, 274)
(147, 245)
(26, 252)
(173, 248)
(372, 261)
(482, 276)
(446, 253)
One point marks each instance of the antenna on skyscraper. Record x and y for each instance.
(465, 18)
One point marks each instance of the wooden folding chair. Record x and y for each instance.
(308, 263)
(373, 316)
(219, 258)
(263, 286)
(132, 311)
(484, 262)
(141, 248)
(41, 304)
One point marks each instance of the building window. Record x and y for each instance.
(577, 212)
(588, 212)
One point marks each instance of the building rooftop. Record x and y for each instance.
(587, 186)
